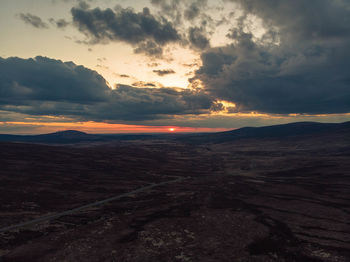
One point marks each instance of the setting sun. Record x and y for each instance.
(171, 129)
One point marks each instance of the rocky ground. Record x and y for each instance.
(249, 200)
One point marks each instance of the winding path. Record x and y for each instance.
(94, 204)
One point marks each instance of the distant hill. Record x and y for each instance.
(69, 137)
(299, 129)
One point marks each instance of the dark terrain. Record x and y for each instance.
(277, 193)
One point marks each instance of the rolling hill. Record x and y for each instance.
(299, 129)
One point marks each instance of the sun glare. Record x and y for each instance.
(171, 129)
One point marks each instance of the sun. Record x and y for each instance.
(171, 129)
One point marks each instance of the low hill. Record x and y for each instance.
(298, 129)
(72, 137)
(57, 137)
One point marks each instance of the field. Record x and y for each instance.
(266, 199)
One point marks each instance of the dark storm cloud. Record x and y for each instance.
(33, 20)
(164, 72)
(131, 103)
(180, 12)
(148, 33)
(321, 19)
(44, 79)
(44, 86)
(300, 65)
(142, 29)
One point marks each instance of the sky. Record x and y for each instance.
(118, 66)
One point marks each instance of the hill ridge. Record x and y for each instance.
(274, 131)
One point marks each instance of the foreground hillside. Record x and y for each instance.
(249, 199)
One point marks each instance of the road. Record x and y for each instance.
(94, 204)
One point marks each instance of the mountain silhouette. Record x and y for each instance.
(298, 129)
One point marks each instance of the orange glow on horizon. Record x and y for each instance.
(105, 128)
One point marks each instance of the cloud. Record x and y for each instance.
(193, 11)
(171, 9)
(80, 2)
(149, 48)
(190, 65)
(103, 66)
(45, 79)
(60, 23)
(144, 84)
(242, 120)
(179, 10)
(153, 64)
(147, 33)
(198, 38)
(124, 76)
(164, 72)
(33, 20)
(48, 87)
(299, 65)
(181, 13)
(314, 19)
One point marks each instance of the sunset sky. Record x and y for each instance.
(118, 66)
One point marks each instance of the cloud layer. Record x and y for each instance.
(44, 86)
(277, 57)
(164, 72)
(300, 64)
(33, 20)
(142, 29)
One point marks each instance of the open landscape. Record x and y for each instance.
(235, 196)
(175, 131)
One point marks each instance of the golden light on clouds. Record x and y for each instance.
(227, 51)
(137, 68)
